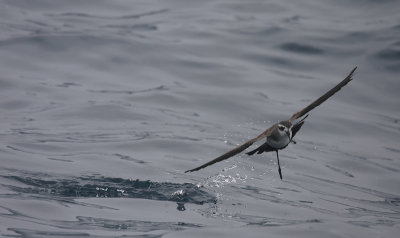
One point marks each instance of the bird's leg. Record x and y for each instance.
(279, 165)
(293, 141)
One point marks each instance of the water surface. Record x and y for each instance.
(104, 105)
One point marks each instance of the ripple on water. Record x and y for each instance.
(105, 187)
(301, 48)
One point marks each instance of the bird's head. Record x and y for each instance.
(285, 127)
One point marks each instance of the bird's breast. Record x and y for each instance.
(279, 142)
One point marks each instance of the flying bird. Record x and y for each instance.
(279, 135)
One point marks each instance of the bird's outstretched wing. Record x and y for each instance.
(323, 98)
(267, 132)
(236, 150)
(296, 127)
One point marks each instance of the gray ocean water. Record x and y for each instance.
(105, 104)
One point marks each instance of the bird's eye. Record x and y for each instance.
(281, 128)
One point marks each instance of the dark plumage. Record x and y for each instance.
(280, 134)
(267, 148)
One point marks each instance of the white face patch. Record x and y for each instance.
(281, 127)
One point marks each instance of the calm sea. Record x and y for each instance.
(104, 104)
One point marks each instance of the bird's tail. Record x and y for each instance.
(262, 148)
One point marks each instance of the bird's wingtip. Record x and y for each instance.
(350, 76)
